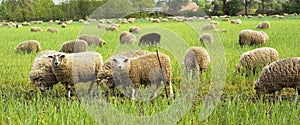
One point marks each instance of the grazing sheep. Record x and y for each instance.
(196, 59)
(206, 37)
(41, 75)
(149, 39)
(124, 21)
(36, 29)
(127, 37)
(116, 25)
(278, 75)
(142, 70)
(111, 28)
(63, 25)
(28, 47)
(214, 22)
(92, 40)
(225, 19)
(70, 69)
(105, 74)
(155, 20)
(74, 46)
(19, 26)
(209, 27)
(52, 30)
(237, 21)
(165, 20)
(251, 37)
(221, 30)
(263, 25)
(250, 17)
(256, 59)
(134, 29)
(25, 24)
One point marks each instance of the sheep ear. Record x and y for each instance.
(126, 60)
(62, 56)
(50, 56)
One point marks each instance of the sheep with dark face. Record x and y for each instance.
(280, 74)
(142, 70)
(149, 39)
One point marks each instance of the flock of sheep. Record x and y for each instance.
(139, 67)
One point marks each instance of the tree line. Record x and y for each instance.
(27, 10)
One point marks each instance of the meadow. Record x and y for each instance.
(21, 103)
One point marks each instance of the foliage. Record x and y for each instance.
(234, 6)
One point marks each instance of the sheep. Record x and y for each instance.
(111, 28)
(214, 22)
(278, 75)
(256, 59)
(19, 26)
(52, 30)
(251, 37)
(225, 19)
(263, 25)
(28, 47)
(196, 59)
(101, 26)
(209, 27)
(36, 29)
(41, 75)
(237, 21)
(149, 39)
(134, 29)
(105, 74)
(92, 40)
(74, 46)
(124, 21)
(155, 20)
(127, 37)
(70, 69)
(165, 20)
(206, 37)
(142, 70)
(63, 25)
(25, 24)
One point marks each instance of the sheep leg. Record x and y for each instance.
(133, 92)
(171, 89)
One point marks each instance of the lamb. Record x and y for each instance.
(74, 46)
(28, 47)
(263, 25)
(149, 39)
(70, 69)
(36, 29)
(52, 30)
(105, 74)
(206, 37)
(41, 75)
(196, 59)
(251, 37)
(278, 75)
(256, 59)
(127, 37)
(142, 70)
(92, 40)
(134, 29)
(209, 27)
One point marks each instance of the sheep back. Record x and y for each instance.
(74, 46)
(251, 37)
(28, 47)
(196, 59)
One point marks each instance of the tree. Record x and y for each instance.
(175, 6)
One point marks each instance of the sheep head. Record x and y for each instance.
(119, 63)
(56, 59)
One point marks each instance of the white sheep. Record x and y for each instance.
(256, 59)
(142, 70)
(92, 40)
(36, 29)
(278, 75)
(74, 46)
(206, 38)
(70, 69)
(263, 25)
(52, 30)
(252, 37)
(28, 47)
(127, 37)
(196, 59)
(134, 29)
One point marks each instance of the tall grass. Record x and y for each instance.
(20, 103)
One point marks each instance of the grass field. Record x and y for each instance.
(20, 103)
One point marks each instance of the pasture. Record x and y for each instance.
(20, 103)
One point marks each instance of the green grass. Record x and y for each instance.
(22, 104)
